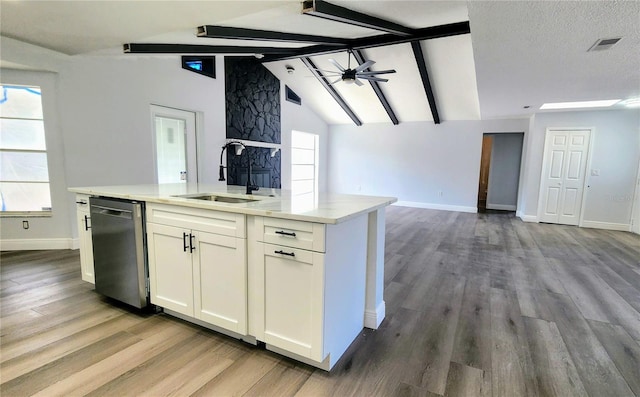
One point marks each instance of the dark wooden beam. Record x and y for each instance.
(376, 88)
(223, 32)
(322, 9)
(325, 83)
(160, 48)
(422, 67)
(432, 32)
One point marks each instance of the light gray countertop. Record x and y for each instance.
(320, 207)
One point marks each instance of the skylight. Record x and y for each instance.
(577, 105)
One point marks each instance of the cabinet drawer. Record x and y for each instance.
(216, 222)
(296, 234)
(82, 202)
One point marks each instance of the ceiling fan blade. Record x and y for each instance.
(358, 82)
(372, 73)
(365, 65)
(373, 78)
(328, 71)
(336, 64)
(336, 81)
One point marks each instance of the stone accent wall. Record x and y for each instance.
(265, 169)
(252, 101)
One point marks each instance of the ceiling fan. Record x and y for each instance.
(353, 76)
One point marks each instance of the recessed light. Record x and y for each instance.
(583, 104)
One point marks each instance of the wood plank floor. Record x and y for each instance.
(477, 305)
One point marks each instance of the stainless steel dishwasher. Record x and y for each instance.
(119, 250)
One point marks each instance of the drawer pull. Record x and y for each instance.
(292, 234)
(281, 252)
(184, 242)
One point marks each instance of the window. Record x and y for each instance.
(304, 162)
(24, 175)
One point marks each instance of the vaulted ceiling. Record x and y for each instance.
(518, 53)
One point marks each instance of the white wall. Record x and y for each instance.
(103, 121)
(615, 151)
(105, 109)
(301, 118)
(504, 171)
(55, 229)
(413, 161)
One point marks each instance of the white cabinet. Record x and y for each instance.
(307, 286)
(196, 271)
(170, 268)
(83, 216)
(293, 299)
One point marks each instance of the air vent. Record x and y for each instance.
(604, 44)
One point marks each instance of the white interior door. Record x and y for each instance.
(174, 133)
(563, 176)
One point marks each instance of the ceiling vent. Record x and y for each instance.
(604, 44)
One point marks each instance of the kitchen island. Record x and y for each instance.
(301, 273)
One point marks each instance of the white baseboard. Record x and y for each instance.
(75, 244)
(374, 319)
(442, 207)
(37, 244)
(624, 227)
(527, 218)
(501, 207)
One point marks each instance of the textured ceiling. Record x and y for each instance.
(529, 53)
(519, 52)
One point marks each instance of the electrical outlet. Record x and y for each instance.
(25, 225)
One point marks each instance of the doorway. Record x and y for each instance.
(563, 176)
(500, 171)
(175, 144)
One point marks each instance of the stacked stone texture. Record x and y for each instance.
(252, 101)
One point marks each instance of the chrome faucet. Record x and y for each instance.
(250, 187)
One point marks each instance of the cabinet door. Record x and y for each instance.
(293, 300)
(86, 246)
(170, 268)
(220, 281)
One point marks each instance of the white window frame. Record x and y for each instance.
(36, 213)
(314, 164)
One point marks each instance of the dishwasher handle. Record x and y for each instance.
(108, 211)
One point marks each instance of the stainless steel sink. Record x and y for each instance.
(220, 199)
(224, 199)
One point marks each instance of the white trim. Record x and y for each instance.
(246, 338)
(501, 207)
(442, 207)
(36, 244)
(606, 225)
(635, 209)
(189, 116)
(75, 243)
(541, 201)
(527, 218)
(374, 319)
